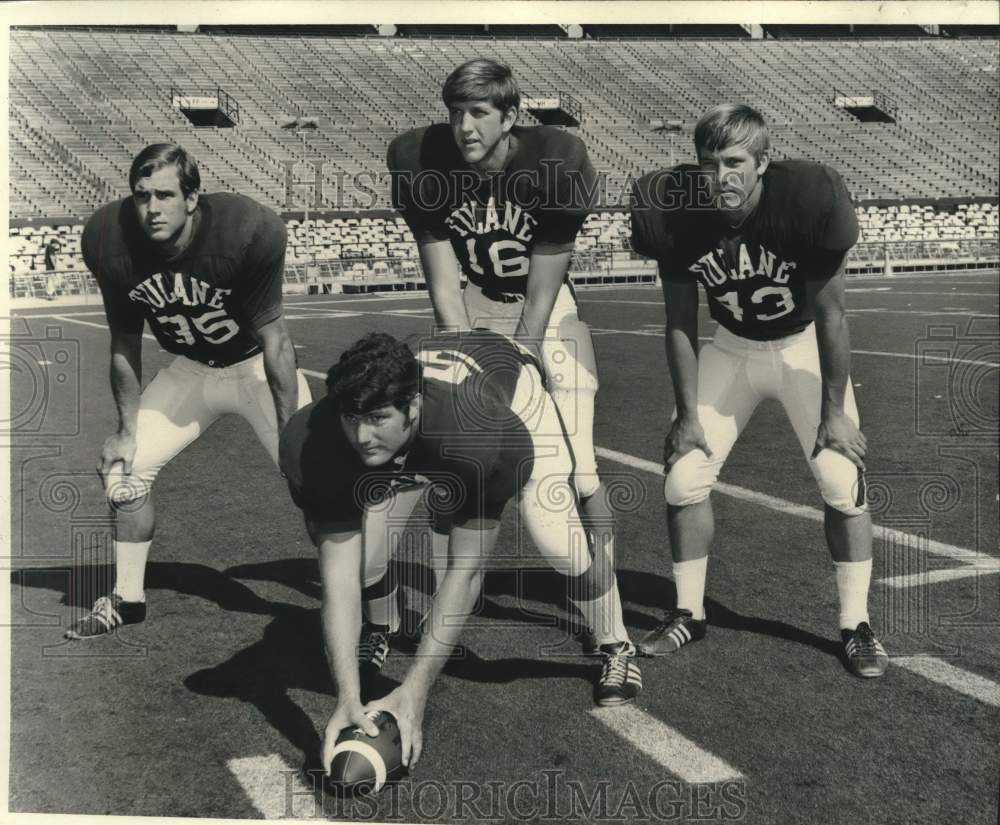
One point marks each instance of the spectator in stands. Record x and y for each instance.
(54, 283)
(205, 272)
(502, 204)
(768, 242)
(52, 250)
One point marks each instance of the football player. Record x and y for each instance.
(767, 241)
(502, 204)
(468, 416)
(205, 272)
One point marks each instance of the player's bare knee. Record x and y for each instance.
(689, 480)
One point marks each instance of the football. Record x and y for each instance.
(362, 764)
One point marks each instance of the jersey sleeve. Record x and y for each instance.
(652, 235)
(264, 267)
(99, 244)
(838, 228)
(308, 467)
(570, 196)
(412, 190)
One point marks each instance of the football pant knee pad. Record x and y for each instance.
(841, 482)
(569, 357)
(123, 491)
(690, 479)
(576, 412)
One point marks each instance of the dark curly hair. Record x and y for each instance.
(375, 371)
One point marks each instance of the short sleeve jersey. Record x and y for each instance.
(203, 303)
(539, 200)
(754, 275)
(470, 445)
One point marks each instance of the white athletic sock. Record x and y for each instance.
(603, 616)
(384, 610)
(853, 578)
(689, 578)
(130, 569)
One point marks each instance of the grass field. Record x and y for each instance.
(215, 705)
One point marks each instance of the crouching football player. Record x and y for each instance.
(767, 241)
(468, 415)
(205, 272)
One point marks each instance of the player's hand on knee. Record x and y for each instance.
(408, 709)
(119, 447)
(346, 715)
(686, 434)
(840, 434)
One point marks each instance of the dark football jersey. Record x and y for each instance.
(469, 444)
(540, 197)
(203, 303)
(754, 275)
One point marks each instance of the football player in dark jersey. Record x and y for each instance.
(502, 204)
(767, 241)
(205, 272)
(469, 417)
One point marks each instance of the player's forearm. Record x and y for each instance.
(341, 613)
(126, 382)
(444, 284)
(547, 274)
(454, 601)
(282, 379)
(449, 308)
(834, 345)
(682, 359)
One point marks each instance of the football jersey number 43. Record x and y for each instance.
(215, 326)
(782, 302)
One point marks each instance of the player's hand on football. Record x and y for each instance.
(840, 433)
(408, 709)
(345, 715)
(119, 447)
(686, 434)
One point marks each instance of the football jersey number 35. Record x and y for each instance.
(215, 327)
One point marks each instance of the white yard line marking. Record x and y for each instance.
(325, 315)
(930, 313)
(937, 548)
(92, 324)
(936, 670)
(666, 746)
(980, 567)
(944, 293)
(925, 357)
(276, 790)
(59, 314)
(973, 564)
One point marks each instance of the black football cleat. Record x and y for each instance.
(108, 613)
(373, 649)
(620, 680)
(865, 655)
(677, 629)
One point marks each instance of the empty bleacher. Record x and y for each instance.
(83, 102)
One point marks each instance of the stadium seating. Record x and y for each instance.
(102, 94)
(321, 240)
(84, 101)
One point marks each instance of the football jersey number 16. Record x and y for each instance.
(511, 266)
